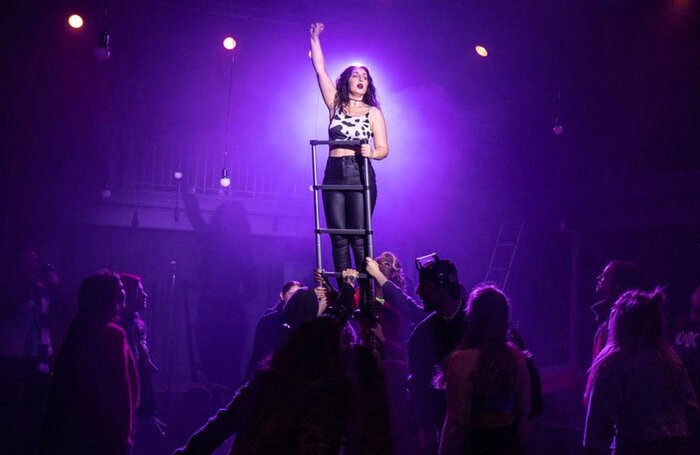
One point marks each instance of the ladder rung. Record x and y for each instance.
(498, 269)
(340, 187)
(351, 143)
(361, 276)
(344, 231)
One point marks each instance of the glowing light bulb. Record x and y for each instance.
(75, 21)
(225, 180)
(481, 50)
(177, 175)
(229, 43)
(557, 128)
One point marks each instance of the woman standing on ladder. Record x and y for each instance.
(354, 115)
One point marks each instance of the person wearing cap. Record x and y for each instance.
(301, 307)
(268, 332)
(432, 341)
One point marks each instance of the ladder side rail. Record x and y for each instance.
(368, 225)
(493, 252)
(317, 217)
(512, 256)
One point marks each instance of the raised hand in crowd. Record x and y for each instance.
(373, 270)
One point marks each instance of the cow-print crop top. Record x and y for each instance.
(345, 127)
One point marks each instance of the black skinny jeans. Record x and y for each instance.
(345, 210)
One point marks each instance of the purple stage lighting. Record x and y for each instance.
(75, 21)
(229, 43)
(481, 50)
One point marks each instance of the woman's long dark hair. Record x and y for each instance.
(636, 322)
(342, 94)
(312, 351)
(487, 328)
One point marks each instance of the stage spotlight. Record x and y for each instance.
(481, 50)
(75, 21)
(177, 175)
(225, 180)
(102, 51)
(357, 64)
(229, 43)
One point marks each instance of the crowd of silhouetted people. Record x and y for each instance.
(332, 370)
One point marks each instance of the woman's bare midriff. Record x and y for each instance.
(338, 152)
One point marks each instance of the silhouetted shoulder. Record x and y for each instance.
(114, 334)
(515, 351)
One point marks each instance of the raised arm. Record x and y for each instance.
(395, 296)
(325, 83)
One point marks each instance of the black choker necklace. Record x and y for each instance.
(357, 101)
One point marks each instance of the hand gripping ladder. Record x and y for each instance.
(366, 232)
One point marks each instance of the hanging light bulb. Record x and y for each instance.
(225, 180)
(557, 129)
(102, 51)
(106, 190)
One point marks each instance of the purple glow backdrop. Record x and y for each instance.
(471, 143)
(482, 125)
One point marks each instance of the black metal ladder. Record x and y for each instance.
(503, 253)
(364, 187)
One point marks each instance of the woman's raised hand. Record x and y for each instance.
(372, 268)
(316, 29)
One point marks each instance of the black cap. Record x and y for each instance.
(301, 307)
(440, 271)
